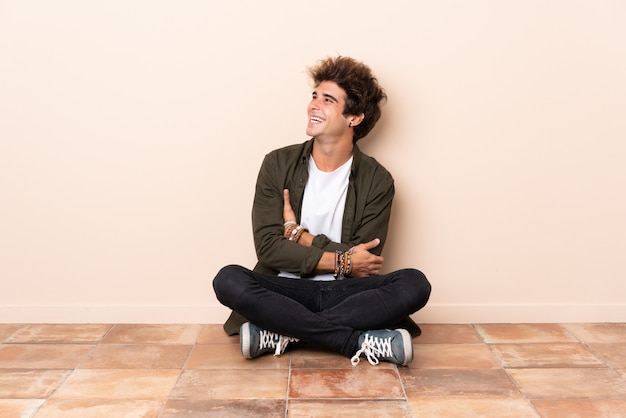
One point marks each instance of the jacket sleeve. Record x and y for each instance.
(272, 248)
(374, 212)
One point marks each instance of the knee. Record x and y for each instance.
(227, 283)
(417, 285)
(422, 282)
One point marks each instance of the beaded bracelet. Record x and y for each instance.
(343, 264)
(347, 263)
(338, 258)
(289, 230)
(297, 233)
(293, 231)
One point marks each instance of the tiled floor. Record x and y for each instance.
(512, 370)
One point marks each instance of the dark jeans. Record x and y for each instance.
(330, 313)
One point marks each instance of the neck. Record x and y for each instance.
(329, 157)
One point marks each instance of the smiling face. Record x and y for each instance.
(325, 111)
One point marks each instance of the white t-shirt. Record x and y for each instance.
(323, 204)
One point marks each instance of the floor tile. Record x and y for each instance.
(599, 333)
(524, 333)
(447, 334)
(581, 383)
(228, 356)
(42, 356)
(10, 408)
(201, 385)
(359, 383)
(225, 408)
(461, 407)
(478, 383)
(136, 356)
(453, 356)
(23, 383)
(581, 408)
(349, 408)
(192, 370)
(6, 330)
(153, 334)
(214, 334)
(118, 384)
(60, 333)
(545, 355)
(613, 354)
(312, 358)
(98, 408)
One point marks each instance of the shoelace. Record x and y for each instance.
(282, 344)
(269, 339)
(373, 347)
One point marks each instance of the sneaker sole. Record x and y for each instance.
(244, 338)
(407, 343)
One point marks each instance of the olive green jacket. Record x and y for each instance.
(366, 214)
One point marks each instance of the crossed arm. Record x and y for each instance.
(364, 263)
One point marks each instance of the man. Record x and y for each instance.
(320, 218)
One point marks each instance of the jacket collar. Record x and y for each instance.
(308, 148)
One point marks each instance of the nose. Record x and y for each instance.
(314, 103)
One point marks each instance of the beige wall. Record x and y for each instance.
(131, 133)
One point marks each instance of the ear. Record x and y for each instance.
(354, 120)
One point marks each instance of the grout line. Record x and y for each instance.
(504, 369)
(108, 331)
(19, 327)
(93, 348)
(289, 369)
(586, 345)
(181, 370)
(478, 333)
(406, 398)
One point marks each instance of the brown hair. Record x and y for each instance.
(363, 93)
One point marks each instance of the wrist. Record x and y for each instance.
(292, 231)
(326, 263)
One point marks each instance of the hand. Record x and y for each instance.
(363, 262)
(288, 213)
